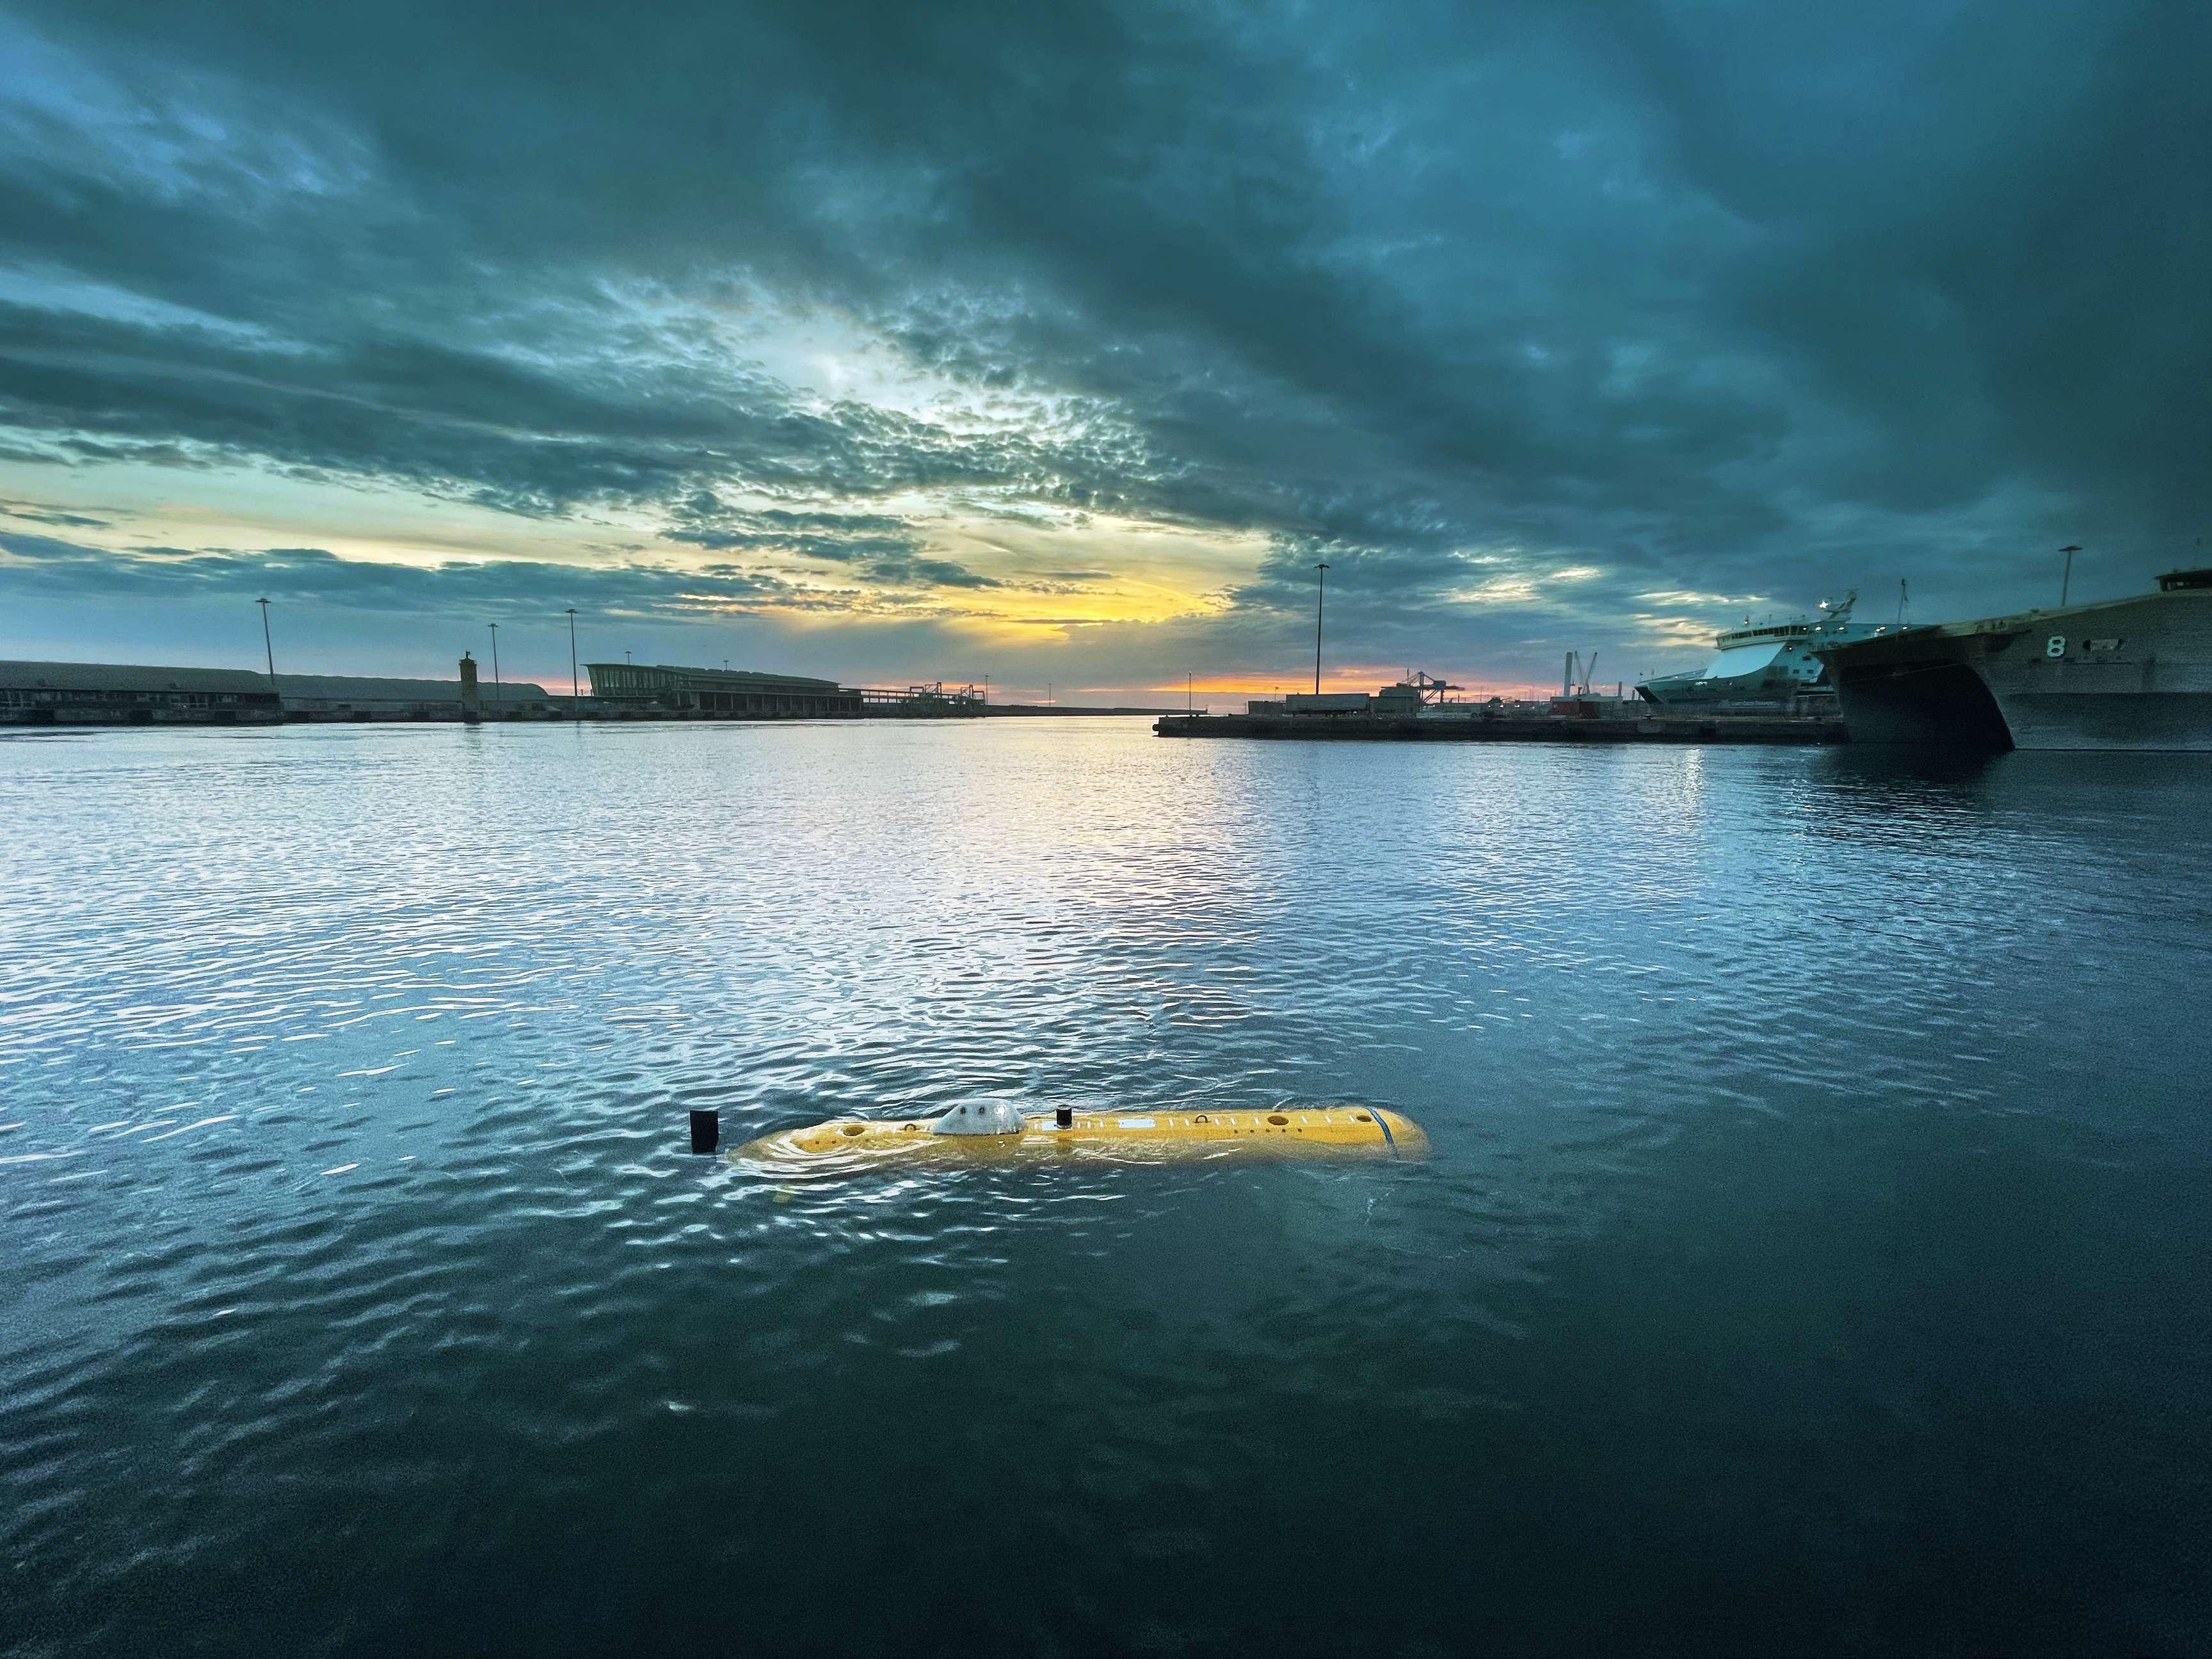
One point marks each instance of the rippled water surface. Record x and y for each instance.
(1813, 1254)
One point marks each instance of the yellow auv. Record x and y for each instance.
(1338, 1132)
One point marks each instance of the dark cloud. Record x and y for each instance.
(1710, 300)
(466, 423)
(41, 566)
(32, 512)
(887, 549)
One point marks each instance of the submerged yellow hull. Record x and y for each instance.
(1331, 1133)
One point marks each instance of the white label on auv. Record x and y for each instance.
(1137, 1123)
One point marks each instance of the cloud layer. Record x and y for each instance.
(1544, 325)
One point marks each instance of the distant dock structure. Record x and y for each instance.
(1417, 710)
(119, 693)
(130, 693)
(364, 697)
(659, 691)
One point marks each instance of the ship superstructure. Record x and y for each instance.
(1768, 667)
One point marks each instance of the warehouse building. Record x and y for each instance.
(122, 694)
(352, 697)
(627, 689)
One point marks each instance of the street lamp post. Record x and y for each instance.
(497, 696)
(2067, 580)
(269, 649)
(1321, 599)
(576, 712)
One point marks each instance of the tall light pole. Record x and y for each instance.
(2067, 580)
(1321, 599)
(574, 712)
(270, 649)
(497, 696)
(1189, 694)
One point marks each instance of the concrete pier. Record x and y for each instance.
(1662, 728)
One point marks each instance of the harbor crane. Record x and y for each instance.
(1428, 688)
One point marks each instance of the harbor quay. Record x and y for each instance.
(1420, 710)
(1511, 726)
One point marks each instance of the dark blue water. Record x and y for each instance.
(1814, 1254)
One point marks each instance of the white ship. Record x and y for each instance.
(1768, 667)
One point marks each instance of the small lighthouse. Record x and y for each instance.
(471, 698)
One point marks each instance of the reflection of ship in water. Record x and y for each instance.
(2132, 673)
(1764, 669)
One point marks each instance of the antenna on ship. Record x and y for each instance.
(1901, 601)
(2067, 580)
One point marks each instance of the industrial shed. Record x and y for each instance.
(130, 693)
(346, 696)
(661, 689)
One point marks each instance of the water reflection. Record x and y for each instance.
(1777, 1100)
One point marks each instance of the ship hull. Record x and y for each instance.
(2164, 722)
(2133, 674)
(1694, 691)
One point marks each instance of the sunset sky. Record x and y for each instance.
(1058, 343)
